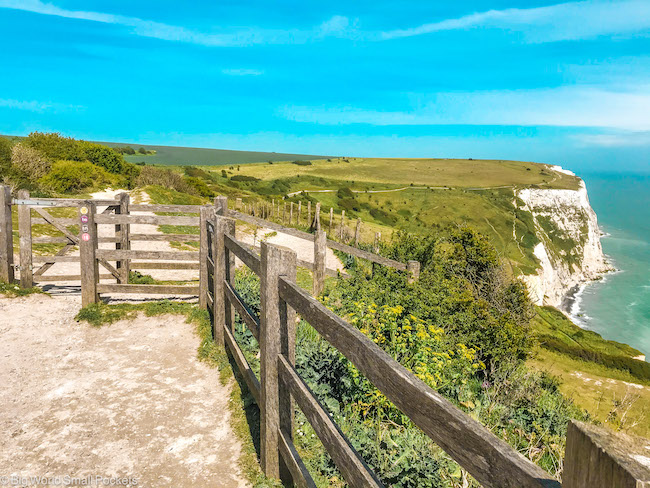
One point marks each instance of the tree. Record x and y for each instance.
(28, 163)
(5, 157)
(142, 150)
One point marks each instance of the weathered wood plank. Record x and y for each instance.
(59, 220)
(25, 241)
(293, 461)
(347, 459)
(491, 461)
(248, 257)
(244, 368)
(413, 270)
(154, 207)
(114, 254)
(165, 237)
(61, 228)
(87, 249)
(249, 317)
(596, 457)
(61, 252)
(123, 233)
(6, 236)
(205, 214)
(58, 202)
(161, 265)
(56, 259)
(147, 219)
(49, 278)
(152, 289)
(320, 249)
(218, 279)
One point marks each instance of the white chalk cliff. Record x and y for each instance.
(569, 250)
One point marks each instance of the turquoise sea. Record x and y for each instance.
(618, 307)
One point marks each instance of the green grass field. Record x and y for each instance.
(195, 156)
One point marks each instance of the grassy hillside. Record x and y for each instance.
(196, 156)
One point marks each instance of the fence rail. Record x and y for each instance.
(594, 459)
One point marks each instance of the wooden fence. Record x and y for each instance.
(488, 459)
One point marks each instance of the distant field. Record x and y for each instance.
(195, 156)
(459, 173)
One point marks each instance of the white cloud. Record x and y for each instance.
(157, 30)
(619, 139)
(565, 106)
(564, 21)
(242, 72)
(36, 106)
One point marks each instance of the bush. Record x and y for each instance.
(74, 176)
(5, 157)
(199, 187)
(27, 162)
(55, 147)
(150, 175)
(344, 192)
(302, 163)
(244, 178)
(103, 156)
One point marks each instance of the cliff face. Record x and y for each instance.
(569, 250)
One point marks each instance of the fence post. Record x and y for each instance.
(377, 241)
(308, 213)
(277, 336)
(87, 256)
(229, 268)
(291, 214)
(25, 236)
(238, 204)
(204, 214)
(219, 316)
(299, 212)
(331, 220)
(357, 233)
(221, 205)
(596, 457)
(320, 248)
(316, 223)
(342, 224)
(122, 232)
(6, 236)
(413, 270)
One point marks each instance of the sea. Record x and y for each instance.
(618, 306)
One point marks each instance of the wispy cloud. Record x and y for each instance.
(157, 30)
(565, 21)
(619, 139)
(573, 106)
(242, 72)
(37, 106)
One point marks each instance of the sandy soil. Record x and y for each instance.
(129, 399)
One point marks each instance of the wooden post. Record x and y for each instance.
(413, 270)
(299, 212)
(357, 233)
(342, 224)
(25, 234)
(309, 213)
(87, 256)
(316, 224)
(219, 320)
(205, 213)
(277, 336)
(221, 205)
(122, 232)
(229, 265)
(238, 204)
(377, 242)
(320, 249)
(6, 236)
(596, 457)
(291, 214)
(331, 220)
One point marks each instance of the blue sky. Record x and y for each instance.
(563, 83)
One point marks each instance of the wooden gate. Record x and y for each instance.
(36, 214)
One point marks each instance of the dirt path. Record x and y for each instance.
(128, 400)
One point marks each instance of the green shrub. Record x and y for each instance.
(199, 186)
(244, 178)
(5, 157)
(74, 176)
(55, 147)
(344, 192)
(302, 163)
(150, 175)
(103, 156)
(137, 278)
